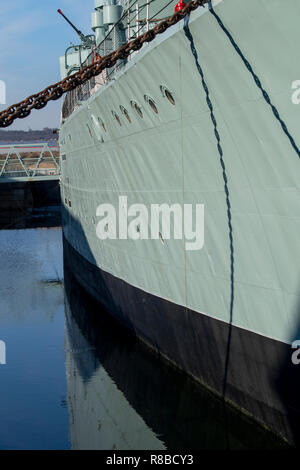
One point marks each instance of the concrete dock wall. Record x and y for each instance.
(30, 204)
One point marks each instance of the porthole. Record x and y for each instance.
(102, 124)
(161, 238)
(70, 203)
(166, 93)
(63, 157)
(116, 118)
(89, 130)
(125, 112)
(151, 103)
(137, 109)
(97, 127)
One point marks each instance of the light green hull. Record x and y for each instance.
(172, 157)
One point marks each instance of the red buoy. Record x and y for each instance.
(180, 5)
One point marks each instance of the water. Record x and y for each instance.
(75, 379)
(33, 412)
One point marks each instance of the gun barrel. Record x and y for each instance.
(70, 23)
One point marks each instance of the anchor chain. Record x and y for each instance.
(54, 92)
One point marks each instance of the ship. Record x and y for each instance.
(203, 113)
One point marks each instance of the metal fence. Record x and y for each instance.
(30, 162)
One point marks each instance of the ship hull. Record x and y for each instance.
(227, 359)
(227, 314)
(105, 363)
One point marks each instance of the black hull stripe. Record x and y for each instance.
(260, 378)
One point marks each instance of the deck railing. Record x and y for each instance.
(136, 19)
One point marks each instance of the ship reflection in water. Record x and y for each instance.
(121, 396)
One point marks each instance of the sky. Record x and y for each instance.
(32, 37)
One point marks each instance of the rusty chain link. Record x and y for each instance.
(54, 92)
